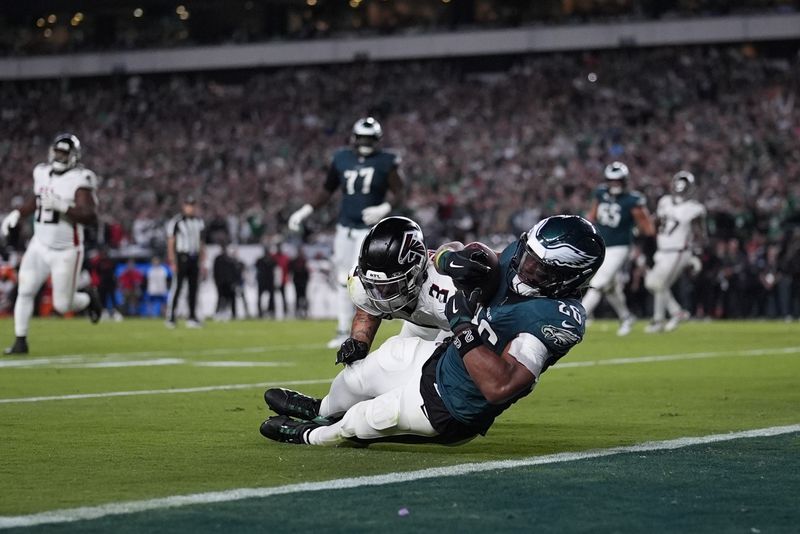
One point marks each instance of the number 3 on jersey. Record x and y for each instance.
(353, 174)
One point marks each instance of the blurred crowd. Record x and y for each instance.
(488, 146)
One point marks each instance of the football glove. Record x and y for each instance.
(351, 351)
(648, 246)
(296, 219)
(373, 214)
(53, 202)
(10, 221)
(468, 268)
(461, 309)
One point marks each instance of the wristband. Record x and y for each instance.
(439, 255)
(466, 340)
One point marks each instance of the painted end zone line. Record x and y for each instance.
(96, 512)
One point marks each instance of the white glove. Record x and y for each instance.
(296, 219)
(10, 221)
(695, 265)
(373, 214)
(53, 202)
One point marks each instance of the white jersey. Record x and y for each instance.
(675, 222)
(51, 228)
(429, 311)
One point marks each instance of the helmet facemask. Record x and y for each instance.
(616, 175)
(391, 293)
(366, 134)
(64, 153)
(683, 185)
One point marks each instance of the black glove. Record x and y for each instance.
(648, 246)
(460, 310)
(351, 351)
(468, 268)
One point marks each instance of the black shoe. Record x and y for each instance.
(291, 403)
(95, 308)
(20, 346)
(287, 430)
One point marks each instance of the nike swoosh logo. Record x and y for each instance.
(455, 265)
(565, 324)
(455, 308)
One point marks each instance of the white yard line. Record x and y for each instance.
(96, 512)
(564, 365)
(202, 389)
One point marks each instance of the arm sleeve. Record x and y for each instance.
(530, 352)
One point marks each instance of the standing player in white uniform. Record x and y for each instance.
(680, 222)
(364, 173)
(64, 201)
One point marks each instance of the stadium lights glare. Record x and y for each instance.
(312, 3)
(184, 15)
(138, 12)
(48, 33)
(180, 9)
(40, 22)
(592, 77)
(51, 18)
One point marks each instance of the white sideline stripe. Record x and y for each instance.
(124, 363)
(674, 357)
(244, 364)
(202, 389)
(96, 512)
(615, 361)
(61, 358)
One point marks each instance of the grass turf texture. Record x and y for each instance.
(68, 453)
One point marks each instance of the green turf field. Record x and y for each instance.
(131, 411)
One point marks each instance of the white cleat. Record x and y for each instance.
(673, 323)
(191, 323)
(626, 326)
(656, 327)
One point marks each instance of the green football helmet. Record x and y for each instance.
(556, 258)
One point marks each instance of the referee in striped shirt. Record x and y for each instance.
(185, 253)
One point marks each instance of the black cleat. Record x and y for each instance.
(20, 346)
(287, 430)
(291, 403)
(95, 308)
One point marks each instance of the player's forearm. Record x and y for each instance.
(82, 215)
(321, 198)
(28, 207)
(364, 326)
(493, 375)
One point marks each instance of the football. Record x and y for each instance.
(483, 254)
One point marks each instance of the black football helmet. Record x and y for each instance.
(616, 174)
(367, 132)
(683, 185)
(392, 263)
(556, 258)
(64, 153)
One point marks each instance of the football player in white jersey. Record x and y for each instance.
(680, 223)
(395, 279)
(63, 202)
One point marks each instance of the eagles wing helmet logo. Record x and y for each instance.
(560, 336)
(565, 255)
(410, 248)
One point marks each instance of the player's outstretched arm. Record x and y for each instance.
(362, 334)
(644, 221)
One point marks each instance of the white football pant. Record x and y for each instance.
(39, 262)
(379, 395)
(606, 283)
(667, 267)
(346, 247)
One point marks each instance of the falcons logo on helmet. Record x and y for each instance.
(411, 250)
